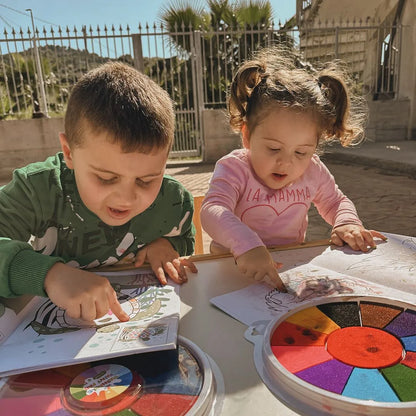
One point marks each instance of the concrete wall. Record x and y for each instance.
(407, 81)
(218, 137)
(26, 141)
(389, 120)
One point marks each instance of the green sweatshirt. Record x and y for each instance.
(43, 221)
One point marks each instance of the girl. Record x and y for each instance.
(260, 195)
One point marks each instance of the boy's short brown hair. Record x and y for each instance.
(117, 99)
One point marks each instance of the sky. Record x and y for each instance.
(100, 12)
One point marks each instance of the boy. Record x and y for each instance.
(104, 199)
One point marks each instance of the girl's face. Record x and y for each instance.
(281, 146)
(114, 185)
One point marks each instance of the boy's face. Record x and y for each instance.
(114, 185)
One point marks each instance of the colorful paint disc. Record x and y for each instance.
(344, 357)
(102, 390)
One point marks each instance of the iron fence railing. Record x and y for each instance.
(38, 69)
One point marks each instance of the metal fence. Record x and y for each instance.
(38, 68)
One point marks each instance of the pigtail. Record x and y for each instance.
(347, 125)
(247, 78)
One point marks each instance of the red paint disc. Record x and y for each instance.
(365, 347)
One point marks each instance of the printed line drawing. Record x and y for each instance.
(139, 295)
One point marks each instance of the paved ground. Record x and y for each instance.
(385, 199)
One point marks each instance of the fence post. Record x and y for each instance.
(336, 42)
(42, 99)
(138, 52)
(198, 84)
(84, 34)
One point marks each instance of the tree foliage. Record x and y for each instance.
(230, 31)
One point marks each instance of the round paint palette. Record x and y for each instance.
(174, 382)
(343, 356)
(102, 390)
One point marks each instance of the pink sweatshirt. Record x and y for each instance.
(240, 213)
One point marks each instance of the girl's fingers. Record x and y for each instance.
(336, 240)
(378, 235)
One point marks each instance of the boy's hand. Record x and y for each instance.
(258, 264)
(356, 236)
(82, 294)
(164, 259)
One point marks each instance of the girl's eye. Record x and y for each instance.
(300, 153)
(273, 149)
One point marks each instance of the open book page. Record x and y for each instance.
(48, 338)
(310, 273)
(392, 263)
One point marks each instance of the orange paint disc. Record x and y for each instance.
(365, 347)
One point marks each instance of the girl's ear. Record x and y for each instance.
(245, 134)
(66, 150)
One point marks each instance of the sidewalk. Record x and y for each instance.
(398, 157)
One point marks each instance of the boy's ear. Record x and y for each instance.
(245, 135)
(66, 150)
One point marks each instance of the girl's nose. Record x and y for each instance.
(284, 160)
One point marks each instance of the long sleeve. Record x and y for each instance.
(333, 206)
(182, 234)
(22, 270)
(218, 217)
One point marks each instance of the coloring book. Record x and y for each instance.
(389, 270)
(36, 334)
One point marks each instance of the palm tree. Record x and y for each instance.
(231, 31)
(223, 16)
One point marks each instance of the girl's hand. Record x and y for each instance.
(82, 294)
(356, 236)
(164, 259)
(259, 265)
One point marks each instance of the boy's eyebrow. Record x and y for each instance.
(149, 175)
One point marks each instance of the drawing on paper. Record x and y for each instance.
(305, 284)
(139, 295)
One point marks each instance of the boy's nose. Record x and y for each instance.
(127, 194)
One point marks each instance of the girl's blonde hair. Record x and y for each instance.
(276, 77)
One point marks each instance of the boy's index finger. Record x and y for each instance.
(190, 264)
(117, 309)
